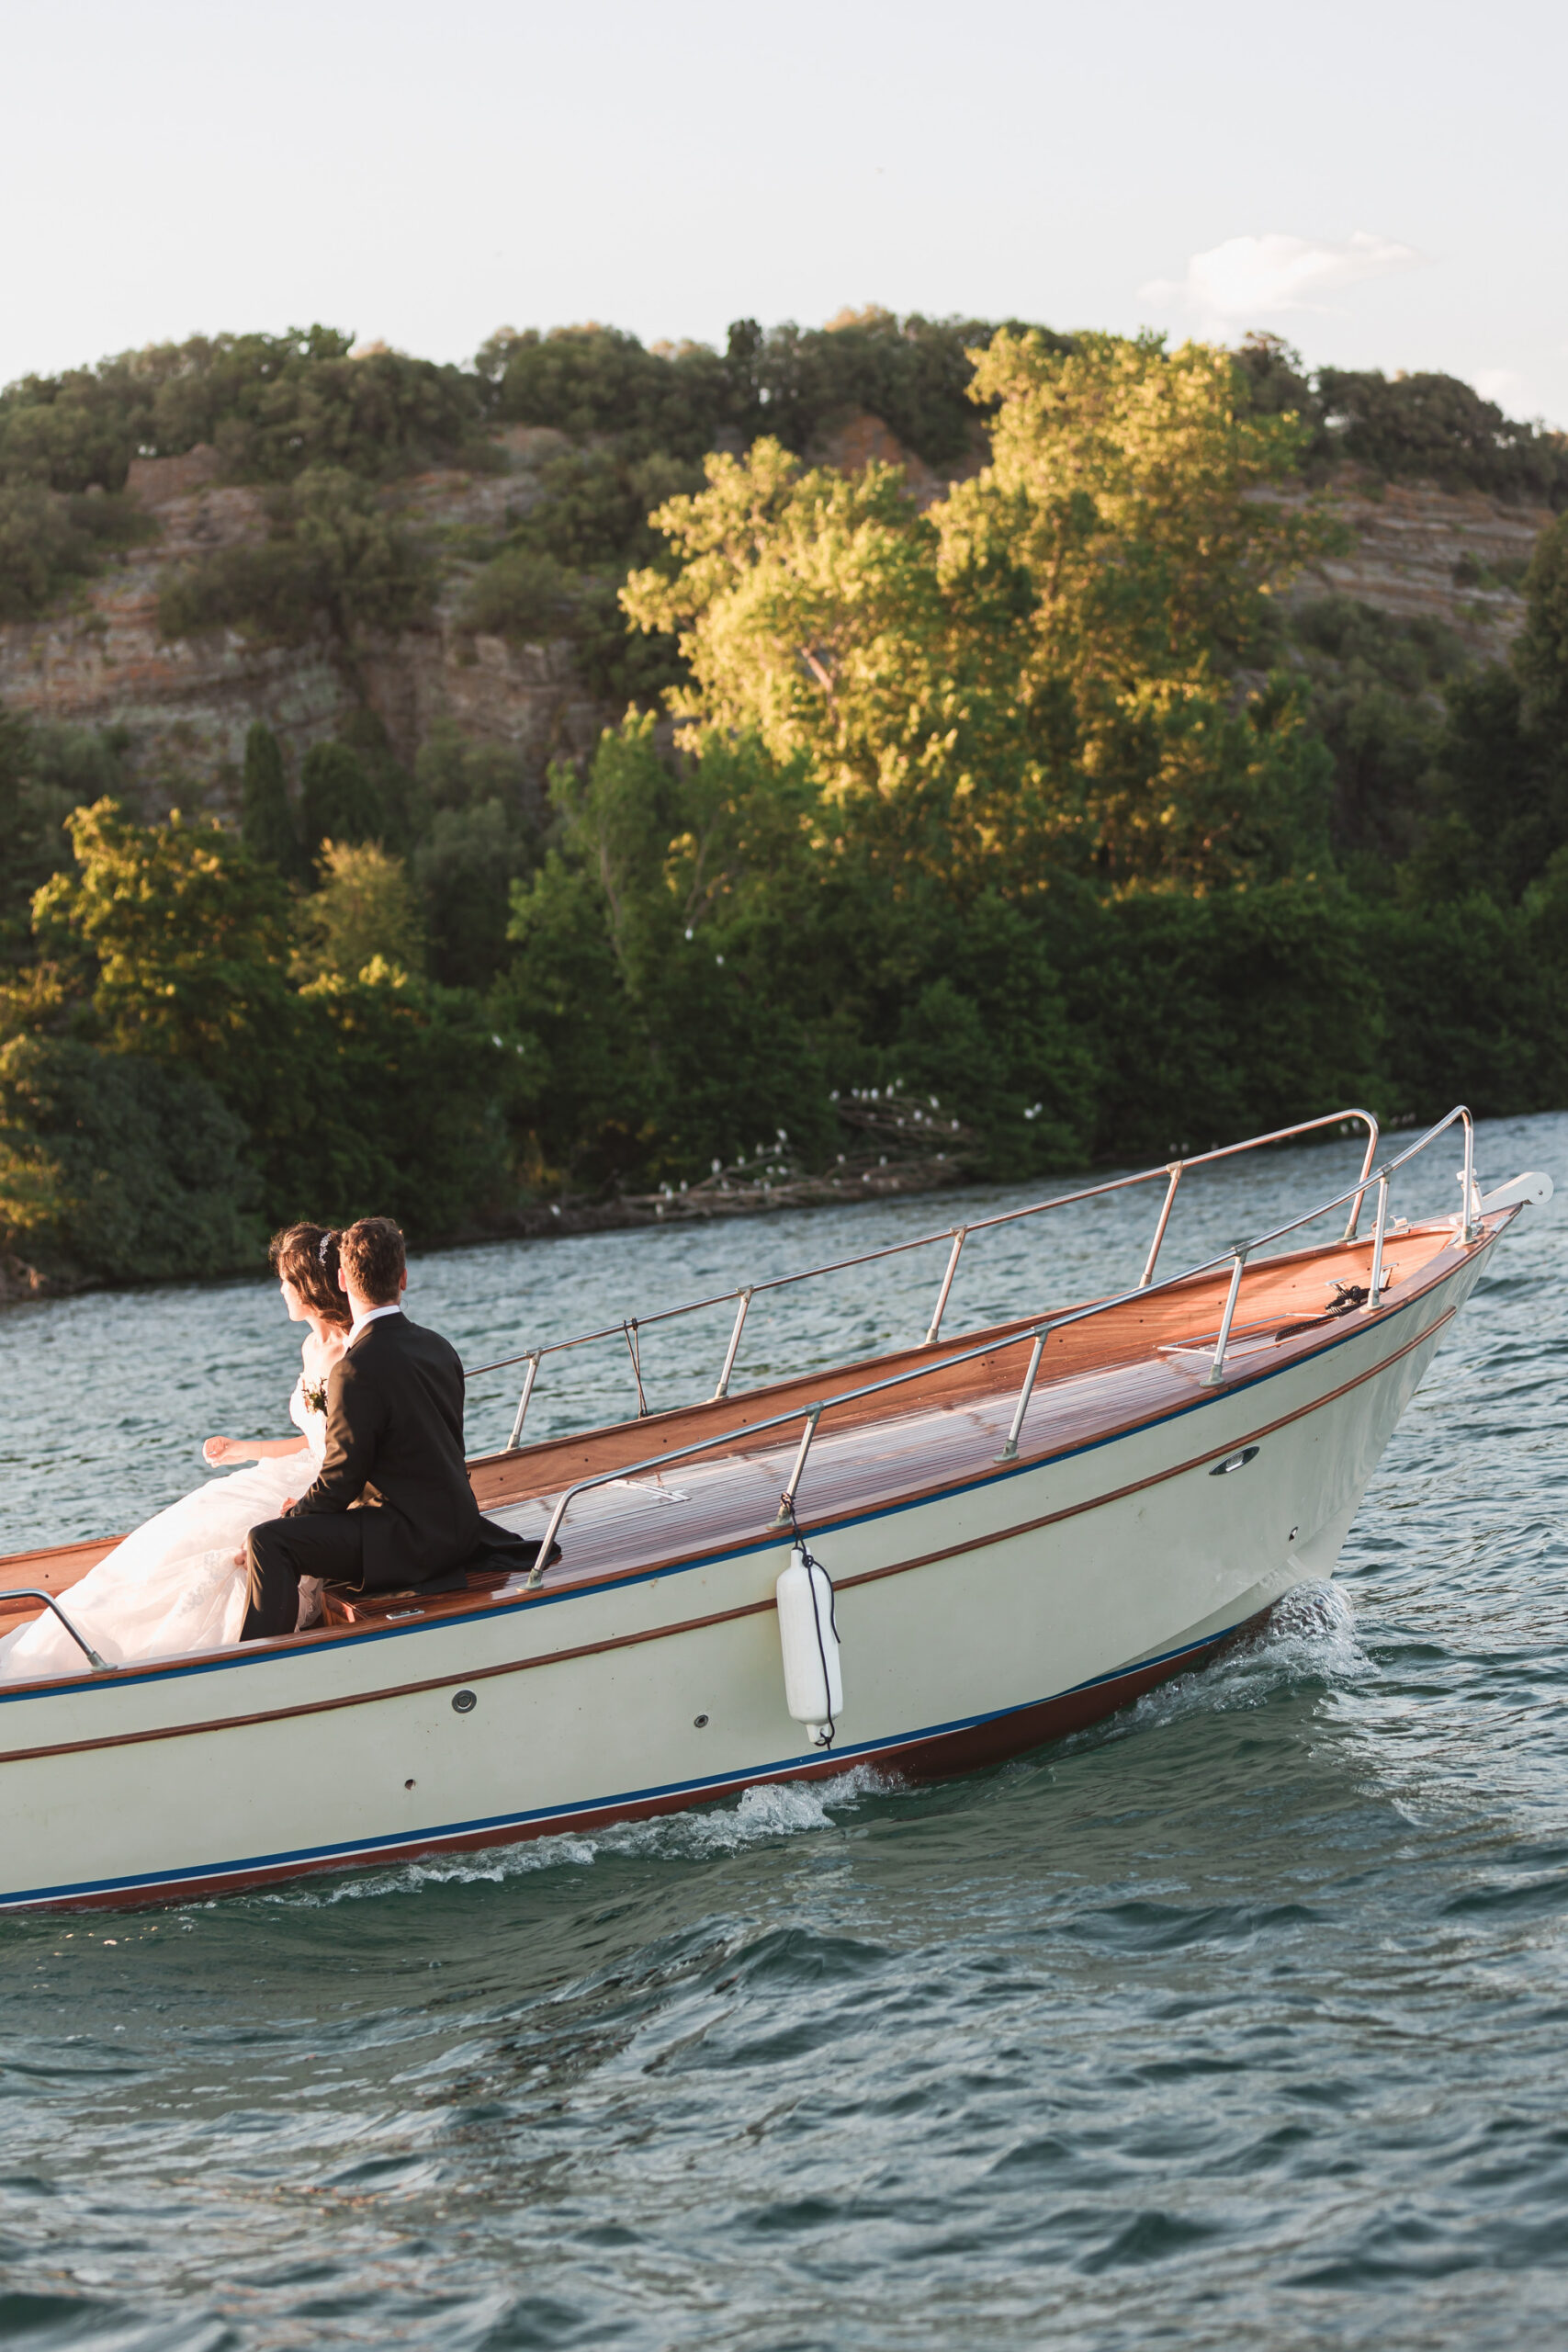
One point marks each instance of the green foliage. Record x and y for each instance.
(338, 802)
(1217, 1017)
(464, 870)
(594, 379)
(272, 406)
(1436, 428)
(266, 819)
(1473, 995)
(794, 384)
(116, 1168)
(474, 836)
(411, 1093)
(915, 374)
(51, 544)
(1376, 697)
(184, 933)
(34, 805)
(520, 596)
(1030, 802)
(1498, 809)
(1406, 427)
(362, 1090)
(1036, 672)
(364, 913)
(698, 968)
(1542, 656)
(559, 575)
(334, 561)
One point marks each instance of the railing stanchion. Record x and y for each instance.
(1174, 1172)
(1468, 1230)
(733, 1348)
(535, 1574)
(1216, 1371)
(1238, 1254)
(528, 1379)
(36, 1592)
(1374, 1288)
(786, 1500)
(1368, 1155)
(960, 1233)
(1010, 1450)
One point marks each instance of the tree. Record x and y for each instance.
(334, 561)
(116, 1168)
(1541, 656)
(267, 820)
(364, 911)
(337, 800)
(1042, 666)
(1501, 807)
(184, 936)
(32, 831)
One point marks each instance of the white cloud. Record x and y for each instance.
(1248, 279)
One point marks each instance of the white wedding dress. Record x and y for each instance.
(172, 1586)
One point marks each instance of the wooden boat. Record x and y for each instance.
(1025, 1528)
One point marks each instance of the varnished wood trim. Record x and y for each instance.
(723, 1616)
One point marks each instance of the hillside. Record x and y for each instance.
(1453, 559)
(610, 784)
(181, 687)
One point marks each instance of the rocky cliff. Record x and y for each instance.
(183, 706)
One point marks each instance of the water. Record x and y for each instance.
(1239, 2021)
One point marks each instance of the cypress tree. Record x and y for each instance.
(267, 820)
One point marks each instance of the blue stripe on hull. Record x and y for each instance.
(669, 1797)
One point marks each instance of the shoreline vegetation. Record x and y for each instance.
(1003, 793)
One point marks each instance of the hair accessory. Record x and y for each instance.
(323, 1246)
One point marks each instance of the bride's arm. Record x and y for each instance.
(219, 1450)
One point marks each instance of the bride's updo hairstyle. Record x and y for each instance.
(373, 1253)
(307, 1255)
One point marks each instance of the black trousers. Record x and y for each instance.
(280, 1551)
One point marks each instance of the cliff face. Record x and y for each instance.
(1421, 552)
(186, 706)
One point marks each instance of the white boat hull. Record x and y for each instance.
(975, 1623)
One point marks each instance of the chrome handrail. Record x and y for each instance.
(1237, 1256)
(956, 1235)
(36, 1592)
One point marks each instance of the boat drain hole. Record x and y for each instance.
(699, 1723)
(408, 1784)
(463, 1702)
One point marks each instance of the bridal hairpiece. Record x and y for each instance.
(323, 1246)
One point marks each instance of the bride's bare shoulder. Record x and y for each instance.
(317, 1356)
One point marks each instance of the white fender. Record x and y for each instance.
(814, 1684)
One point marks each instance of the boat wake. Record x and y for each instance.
(1308, 1642)
(761, 1816)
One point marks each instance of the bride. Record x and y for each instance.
(178, 1584)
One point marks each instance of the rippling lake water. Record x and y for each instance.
(1241, 2021)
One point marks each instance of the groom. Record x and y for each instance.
(394, 1444)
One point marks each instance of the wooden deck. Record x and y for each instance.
(945, 1428)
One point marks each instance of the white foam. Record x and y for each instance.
(1310, 1637)
(761, 1816)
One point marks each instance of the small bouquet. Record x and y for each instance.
(315, 1395)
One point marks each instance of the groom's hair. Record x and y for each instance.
(372, 1255)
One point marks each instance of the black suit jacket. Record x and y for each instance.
(395, 1442)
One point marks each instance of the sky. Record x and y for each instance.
(1380, 183)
